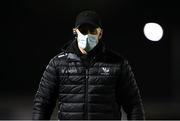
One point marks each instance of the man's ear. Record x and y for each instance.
(74, 31)
(100, 34)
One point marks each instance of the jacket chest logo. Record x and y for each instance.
(72, 70)
(105, 71)
(69, 70)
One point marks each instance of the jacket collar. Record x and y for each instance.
(71, 48)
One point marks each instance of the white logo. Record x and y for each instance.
(72, 70)
(105, 71)
(69, 70)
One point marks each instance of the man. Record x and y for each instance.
(89, 80)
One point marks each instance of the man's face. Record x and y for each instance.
(90, 29)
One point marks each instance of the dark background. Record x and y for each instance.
(32, 32)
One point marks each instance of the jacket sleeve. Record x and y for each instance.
(46, 95)
(128, 94)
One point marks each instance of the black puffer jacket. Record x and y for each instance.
(97, 91)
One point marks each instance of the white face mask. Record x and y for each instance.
(86, 42)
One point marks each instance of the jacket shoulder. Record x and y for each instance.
(61, 55)
(58, 58)
(114, 55)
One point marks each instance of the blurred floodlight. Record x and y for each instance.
(153, 31)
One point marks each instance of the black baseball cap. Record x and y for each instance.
(88, 17)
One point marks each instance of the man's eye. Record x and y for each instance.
(83, 32)
(87, 30)
(93, 31)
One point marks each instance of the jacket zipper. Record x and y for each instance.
(86, 95)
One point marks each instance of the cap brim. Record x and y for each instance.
(87, 22)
